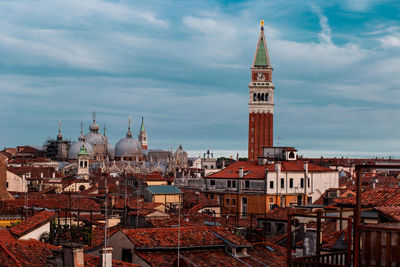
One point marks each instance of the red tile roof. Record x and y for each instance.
(200, 258)
(254, 171)
(5, 236)
(268, 253)
(391, 212)
(33, 222)
(24, 253)
(373, 198)
(93, 261)
(148, 238)
(36, 173)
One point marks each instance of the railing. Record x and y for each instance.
(379, 246)
(327, 259)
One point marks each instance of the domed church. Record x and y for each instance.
(99, 142)
(128, 148)
(76, 147)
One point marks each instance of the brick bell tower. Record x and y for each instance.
(261, 100)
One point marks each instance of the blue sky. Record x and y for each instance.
(184, 66)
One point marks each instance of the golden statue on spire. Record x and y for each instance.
(262, 23)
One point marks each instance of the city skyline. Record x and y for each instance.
(335, 73)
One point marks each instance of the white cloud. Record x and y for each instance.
(390, 40)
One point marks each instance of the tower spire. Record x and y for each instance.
(59, 135)
(142, 128)
(261, 100)
(261, 57)
(142, 137)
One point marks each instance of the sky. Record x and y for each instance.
(185, 67)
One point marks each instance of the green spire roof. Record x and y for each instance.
(83, 151)
(142, 129)
(261, 57)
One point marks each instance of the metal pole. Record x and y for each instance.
(289, 240)
(179, 233)
(357, 218)
(318, 245)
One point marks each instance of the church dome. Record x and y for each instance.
(128, 147)
(95, 138)
(110, 151)
(76, 148)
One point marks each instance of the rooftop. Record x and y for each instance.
(164, 189)
(32, 222)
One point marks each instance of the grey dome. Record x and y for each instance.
(94, 138)
(110, 151)
(76, 147)
(128, 147)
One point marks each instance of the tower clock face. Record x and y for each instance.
(260, 76)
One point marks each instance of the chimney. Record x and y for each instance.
(262, 161)
(56, 259)
(241, 172)
(106, 257)
(73, 255)
(305, 166)
(278, 167)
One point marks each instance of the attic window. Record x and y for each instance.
(229, 171)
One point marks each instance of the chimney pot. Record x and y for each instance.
(241, 173)
(106, 257)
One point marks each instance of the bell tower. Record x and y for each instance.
(261, 100)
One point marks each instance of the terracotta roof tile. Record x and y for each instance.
(391, 212)
(32, 222)
(374, 197)
(254, 171)
(200, 236)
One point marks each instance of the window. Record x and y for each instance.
(247, 184)
(266, 97)
(280, 228)
(271, 184)
(291, 155)
(233, 202)
(282, 182)
(309, 200)
(291, 183)
(127, 255)
(233, 183)
(227, 201)
(267, 226)
(212, 196)
(302, 182)
(308, 182)
(254, 97)
(7, 184)
(212, 182)
(229, 183)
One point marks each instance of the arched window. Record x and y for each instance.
(254, 97)
(266, 97)
(81, 164)
(291, 155)
(258, 97)
(262, 97)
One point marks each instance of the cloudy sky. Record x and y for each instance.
(184, 66)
